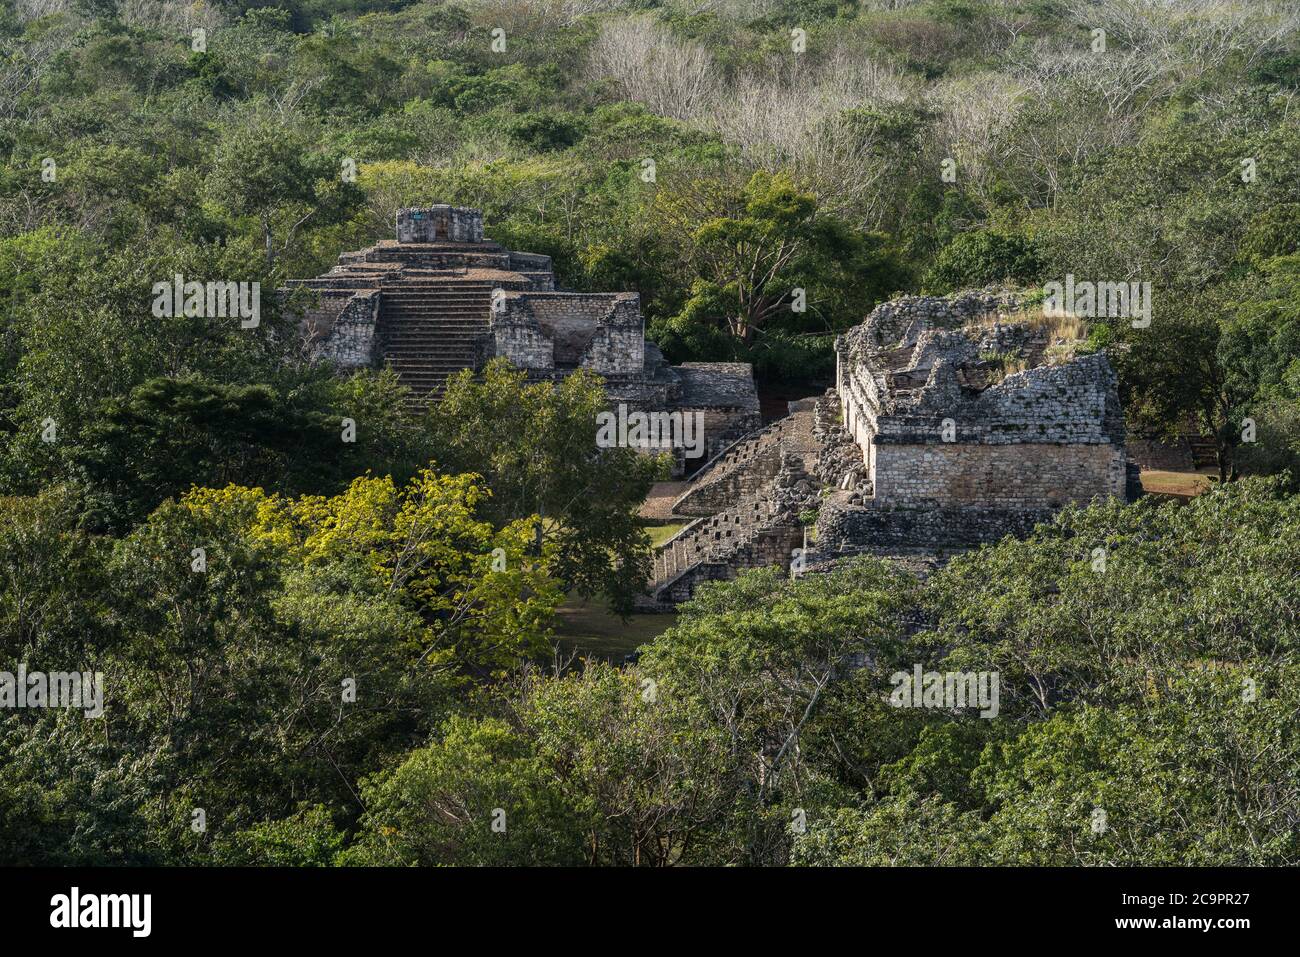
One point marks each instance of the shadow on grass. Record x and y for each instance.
(593, 631)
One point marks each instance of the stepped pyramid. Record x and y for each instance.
(440, 298)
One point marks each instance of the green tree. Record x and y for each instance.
(770, 241)
(276, 176)
(535, 445)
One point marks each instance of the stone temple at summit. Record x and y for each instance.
(441, 298)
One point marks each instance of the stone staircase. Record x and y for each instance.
(432, 329)
(748, 464)
(709, 548)
(1204, 450)
(742, 468)
(758, 531)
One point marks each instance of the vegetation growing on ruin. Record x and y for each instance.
(688, 152)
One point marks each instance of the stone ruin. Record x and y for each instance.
(950, 425)
(441, 298)
(432, 224)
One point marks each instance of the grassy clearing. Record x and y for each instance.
(1180, 484)
(590, 629)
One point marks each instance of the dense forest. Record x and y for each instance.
(333, 646)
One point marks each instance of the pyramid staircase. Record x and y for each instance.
(432, 329)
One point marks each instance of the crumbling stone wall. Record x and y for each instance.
(934, 426)
(341, 327)
(521, 340)
(440, 223)
(553, 330)
(1040, 438)
(901, 320)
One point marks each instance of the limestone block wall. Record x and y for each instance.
(530, 262)
(618, 347)
(440, 223)
(603, 332)
(859, 408)
(342, 327)
(1020, 476)
(523, 343)
(722, 427)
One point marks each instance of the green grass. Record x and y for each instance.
(590, 629)
(661, 533)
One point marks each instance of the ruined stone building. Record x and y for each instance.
(441, 298)
(950, 425)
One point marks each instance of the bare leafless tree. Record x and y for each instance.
(651, 65)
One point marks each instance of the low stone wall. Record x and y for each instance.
(530, 262)
(1022, 476)
(855, 528)
(1175, 456)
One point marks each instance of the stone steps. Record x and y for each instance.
(704, 540)
(759, 450)
(432, 328)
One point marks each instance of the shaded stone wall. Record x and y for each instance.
(1172, 456)
(530, 262)
(854, 528)
(441, 223)
(341, 327)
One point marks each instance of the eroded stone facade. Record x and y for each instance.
(953, 422)
(442, 298)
